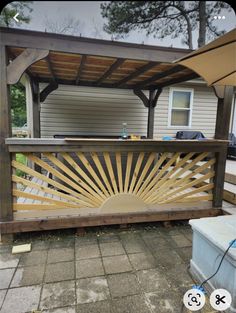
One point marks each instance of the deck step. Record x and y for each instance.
(229, 193)
(229, 211)
(230, 172)
(230, 178)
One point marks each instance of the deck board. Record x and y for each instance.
(70, 220)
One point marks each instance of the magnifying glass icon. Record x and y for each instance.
(194, 299)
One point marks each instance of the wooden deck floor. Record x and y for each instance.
(37, 192)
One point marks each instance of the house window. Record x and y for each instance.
(180, 107)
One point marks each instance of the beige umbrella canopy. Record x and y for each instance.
(216, 61)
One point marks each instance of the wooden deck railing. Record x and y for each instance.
(86, 173)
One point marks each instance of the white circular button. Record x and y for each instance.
(194, 299)
(220, 299)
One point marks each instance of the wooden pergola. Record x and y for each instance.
(59, 59)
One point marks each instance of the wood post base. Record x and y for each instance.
(80, 231)
(6, 238)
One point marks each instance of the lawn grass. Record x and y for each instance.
(21, 158)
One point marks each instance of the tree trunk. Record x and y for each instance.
(190, 37)
(202, 24)
(189, 28)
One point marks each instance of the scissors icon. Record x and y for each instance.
(220, 299)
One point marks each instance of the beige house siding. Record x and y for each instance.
(84, 110)
(89, 111)
(203, 112)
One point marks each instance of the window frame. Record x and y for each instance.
(170, 107)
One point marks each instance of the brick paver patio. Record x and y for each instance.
(142, 269)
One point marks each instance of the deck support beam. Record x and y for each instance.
(112, 219)
(222, 132)
(6, 211)
(150, 103)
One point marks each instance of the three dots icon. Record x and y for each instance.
(219, 17)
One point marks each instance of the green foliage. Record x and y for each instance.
(18, 105)
(161, 18)
(11, 9)
(21, 159)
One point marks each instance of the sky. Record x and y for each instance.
(88, 13)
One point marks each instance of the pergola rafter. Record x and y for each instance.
(157, 76)
(135, 74)
(50, 68)
(110, 70)
(80, 69)
(175, 81)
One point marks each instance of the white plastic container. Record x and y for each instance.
(211, 237)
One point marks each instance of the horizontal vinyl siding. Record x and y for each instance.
(72, 110)
(79, 110)
(203, 113)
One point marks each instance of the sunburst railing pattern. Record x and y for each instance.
(87, 180)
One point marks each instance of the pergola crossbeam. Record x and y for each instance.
(81, 83)
(95, 47)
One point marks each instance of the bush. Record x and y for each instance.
(21, 158)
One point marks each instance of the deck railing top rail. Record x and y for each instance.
(58, 145)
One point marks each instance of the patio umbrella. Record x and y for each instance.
(216, 61)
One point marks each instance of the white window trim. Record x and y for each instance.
(171, 90)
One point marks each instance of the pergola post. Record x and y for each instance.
(222, 132)
(35, 117)
(151, 114)
(35, 127)
(6, 209)
(149, 103)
